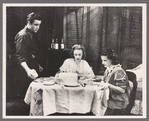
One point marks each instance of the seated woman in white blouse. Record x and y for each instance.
(77, 64)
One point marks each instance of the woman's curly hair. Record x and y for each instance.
(111, 54)
(78, 47)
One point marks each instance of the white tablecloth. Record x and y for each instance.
(45, 100)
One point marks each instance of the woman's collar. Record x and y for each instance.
(110, 69)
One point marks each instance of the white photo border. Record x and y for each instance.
(144, 53)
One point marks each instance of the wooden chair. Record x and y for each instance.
(132, 78)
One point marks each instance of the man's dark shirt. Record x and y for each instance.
(26, 46)
(26, 51)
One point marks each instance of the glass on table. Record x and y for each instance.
(58, 80)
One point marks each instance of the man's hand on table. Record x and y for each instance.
(32, 74)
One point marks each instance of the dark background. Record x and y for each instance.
(119, 28)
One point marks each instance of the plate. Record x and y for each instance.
(49, 83)
(38, 80)
(71, 85)
(47, 78)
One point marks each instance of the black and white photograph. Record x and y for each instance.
(74, 60)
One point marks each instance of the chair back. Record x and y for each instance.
(132, 78)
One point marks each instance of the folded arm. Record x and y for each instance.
(121, 82)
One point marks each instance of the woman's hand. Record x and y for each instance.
(106, 85)
(113, 87)
(81, 83)
(81, 75)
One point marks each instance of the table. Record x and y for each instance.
(45, 100)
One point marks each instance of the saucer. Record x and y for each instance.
(49, 83)
(71, 85)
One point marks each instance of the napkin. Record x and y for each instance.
(34, 73)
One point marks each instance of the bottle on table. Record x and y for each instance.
(52, 44)
(56, 44)
(62, 44)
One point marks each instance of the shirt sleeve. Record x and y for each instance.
(121, 79)
(117, 98)
(21, 49)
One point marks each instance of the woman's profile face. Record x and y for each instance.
(78, 55)
(105, 61)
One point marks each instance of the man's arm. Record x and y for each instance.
(25, 66)
(31, 73)
(21, 53)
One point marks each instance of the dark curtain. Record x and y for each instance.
(131, 37)
(92, 33)
(119, 28)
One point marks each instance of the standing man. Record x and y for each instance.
(26, 55)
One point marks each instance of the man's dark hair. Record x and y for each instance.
(33, 16)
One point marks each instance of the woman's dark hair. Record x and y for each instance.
(33, 16)
(78, 47)
(111, 54)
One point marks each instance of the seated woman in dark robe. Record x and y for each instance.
(117, 82)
